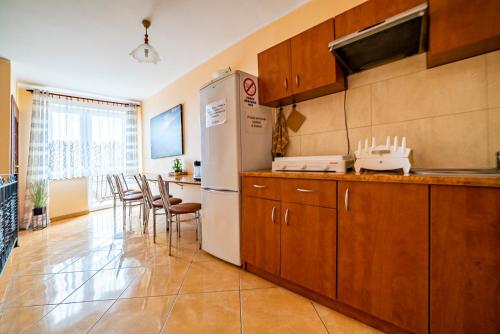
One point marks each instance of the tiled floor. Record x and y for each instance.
(89, 275)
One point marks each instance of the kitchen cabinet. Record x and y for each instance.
(261, 233)
(465, 260)
(462, 28)
(300, 68)
(275, 74)
(383, 236)
(370, 13)
(308, 246)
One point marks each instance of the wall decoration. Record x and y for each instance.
(166, 133)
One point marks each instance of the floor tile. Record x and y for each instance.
(211, 276)
(217, 312)
(51, 291)
(277, 310)
(92, 261)
(251, 281)
(106, 284)
(158, 281)
(72, 318)
(16, 320)
(136, 315)
(338, 323)
(201, 256)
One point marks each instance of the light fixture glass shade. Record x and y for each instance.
(145, 53)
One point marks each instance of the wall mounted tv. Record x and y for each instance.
(166, 133)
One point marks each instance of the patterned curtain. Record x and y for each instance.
(38, 157)
(73, 138)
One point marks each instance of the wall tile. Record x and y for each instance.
(293, 147)
(359, 108)
(493, 135)
(493, 75)
(322, 114)
(395, 69)
(333, 142)
(448, 89)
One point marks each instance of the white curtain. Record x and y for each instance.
(73, 138)
(91, 139)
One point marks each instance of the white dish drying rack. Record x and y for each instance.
(383, 157)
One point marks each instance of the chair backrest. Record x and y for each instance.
(125, 185)
(119, 187)
(147, 191)
(138, 180)
(164, 194)
(111, 184)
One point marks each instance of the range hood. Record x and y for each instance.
(397, 37)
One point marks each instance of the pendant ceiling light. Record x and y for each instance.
(145, 53)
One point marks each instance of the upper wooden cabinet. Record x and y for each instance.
(300, 68)
(275, 73)
(462, 28)
(369, 13)
(382, 259)
(465, 260)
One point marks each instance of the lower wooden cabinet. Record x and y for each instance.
(383, 237)
(465, 260)
(308, 246)
(261, 233)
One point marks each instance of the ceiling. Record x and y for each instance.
(84, 45)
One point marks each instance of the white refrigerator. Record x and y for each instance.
(235, 136)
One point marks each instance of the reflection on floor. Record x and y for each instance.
(89, 275)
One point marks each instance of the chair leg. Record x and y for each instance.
(170, 238)
(198, 225)
(154, 225)
(124, 213)
(114, 207)
(178, 223)
(130, 210)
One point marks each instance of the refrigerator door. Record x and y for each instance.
(220, 139)
(220, 223)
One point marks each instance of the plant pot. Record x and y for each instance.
(39, 211)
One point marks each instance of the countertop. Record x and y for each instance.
(394, 177)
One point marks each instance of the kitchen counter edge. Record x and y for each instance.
(459, 180)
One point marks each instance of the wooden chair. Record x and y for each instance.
(156, 205)
(128, 198)
(176, 210)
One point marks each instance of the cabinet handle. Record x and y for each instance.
(297, 80)
(305, 190)
(285, 83)
(346, 199)
(258, 186)
(286, 217)
(272, 215)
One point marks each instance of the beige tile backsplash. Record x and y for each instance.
(449, 114)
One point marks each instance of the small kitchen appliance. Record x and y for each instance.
(321, 163)
(383, 157)
(197, 170)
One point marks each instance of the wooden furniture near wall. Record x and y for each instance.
(383, 252)
(370, 13)
(465, 260)
(300, 68)
(401, 254)
(459, 29)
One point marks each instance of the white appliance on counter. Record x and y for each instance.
(320, 163)
(383, 157)
(236, 135)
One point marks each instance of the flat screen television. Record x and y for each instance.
(166, 133)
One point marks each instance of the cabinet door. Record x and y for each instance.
(383, 236)
(465, 260)
(261, 233)
(308, 246)
(275, 74)
(313, 65)
(462, 28)
(369, 13)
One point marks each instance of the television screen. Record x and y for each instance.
(166, 133)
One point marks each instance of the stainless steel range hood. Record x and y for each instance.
(397, 37)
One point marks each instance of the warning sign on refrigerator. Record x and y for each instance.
(215, 113)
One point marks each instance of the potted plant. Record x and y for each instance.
(39, 196)
(177, 166)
